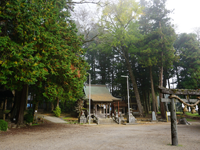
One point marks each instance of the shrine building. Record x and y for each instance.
(103, 104)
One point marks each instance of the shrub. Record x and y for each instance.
(30, 111)
(57, 111)
(28, 118)
(3, 125)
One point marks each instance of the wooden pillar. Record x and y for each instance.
(118, 108)
(174, 135)
(106, 109)
(109, 110)
(95, 109)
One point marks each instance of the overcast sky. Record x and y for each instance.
(186, 14)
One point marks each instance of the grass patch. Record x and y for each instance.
(35, 124)
(188, 119)
(70, 118)
(6, 112)
(179, 113)
(192, 115)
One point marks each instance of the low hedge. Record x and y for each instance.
(28, 118)
(3, 125)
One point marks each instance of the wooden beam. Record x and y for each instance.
(185, 100)
(179, 91)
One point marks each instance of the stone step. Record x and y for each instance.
(106, 121)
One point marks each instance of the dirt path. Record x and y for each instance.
(51, 136)
(52, 118)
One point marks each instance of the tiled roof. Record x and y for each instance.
(99, 93)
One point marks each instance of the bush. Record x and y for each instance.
(30, 111)
(57, 111)
(28, 118)
(3, 125)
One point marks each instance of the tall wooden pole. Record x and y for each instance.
(174, 135)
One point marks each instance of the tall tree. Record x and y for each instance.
(40, 48)
(119, 21)
(159, 18)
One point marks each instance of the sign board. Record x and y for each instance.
(168, 113)
(167, 100)
(35, 111)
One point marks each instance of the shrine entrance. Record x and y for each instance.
(172, 98)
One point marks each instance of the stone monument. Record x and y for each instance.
(82, 118)
(132, 118)
(154, 117)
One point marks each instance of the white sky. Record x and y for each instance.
(186, 15)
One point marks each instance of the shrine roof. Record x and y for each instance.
(99, 93)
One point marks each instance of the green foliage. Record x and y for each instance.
(187, 69)
(79, 106)
(3, 125)
(39, 47)
(67, 106)
(30, 111)
(28, 118)
(57, 111)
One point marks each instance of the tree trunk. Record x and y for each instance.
(149, 102)
(52, 106)
(57, 100)
(26, 99)
(162, 106)
(20, 114)
(15, 107)
(146, 103)
(165, 85)
(168, 83)
(4, 109)
(152, 91)
(1, 105)
(137, 95)
(135, 88)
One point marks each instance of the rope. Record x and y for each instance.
(190, 105)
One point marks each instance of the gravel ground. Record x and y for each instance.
(52, 136)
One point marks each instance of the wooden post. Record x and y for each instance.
(95, 109)
(166, 116)
(118, 108)
(106, 110)
(174, 135)
(109, 111)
